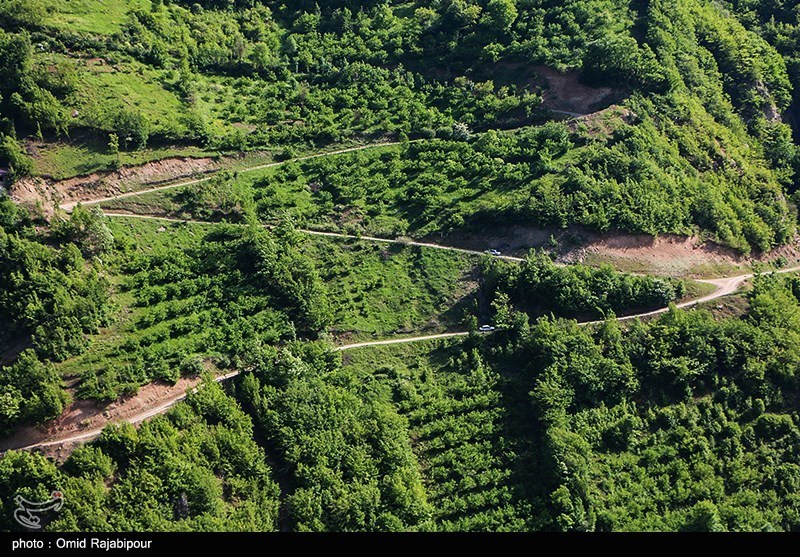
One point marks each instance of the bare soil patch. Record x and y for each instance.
(603, 122)
(52, 193)
(665, 254)
(565, 92)
(561, 91)
(87, 416)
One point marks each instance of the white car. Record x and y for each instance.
(492, 252)
(486, 328)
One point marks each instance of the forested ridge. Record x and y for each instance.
(685, 423)
(51, 295)
(547, 413)
(703, 145)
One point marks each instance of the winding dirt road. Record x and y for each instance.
(567, 113)
(328, 234)
(72, 204)
(724, 287)
(400, 340)
(163, 406)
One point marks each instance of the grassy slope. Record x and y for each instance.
(105, 86)
(375, 290)
(696, 289)
(293, 198)
(378, 290)
(82, 155)
(289, 190)
(132, 85)
(106, 348)
(103, 17)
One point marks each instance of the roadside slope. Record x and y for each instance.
(69, 205)
(71, 435)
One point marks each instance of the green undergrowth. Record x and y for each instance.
(379, 289)
(173, 312)
(67, 159)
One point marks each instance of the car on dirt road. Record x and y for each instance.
(486, 328)
(492, 252)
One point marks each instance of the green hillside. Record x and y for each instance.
(702, 145)
(250, 276)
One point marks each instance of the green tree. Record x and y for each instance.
(14, 158)
(113, 149)
(500, 14)
(132, 128)
(32, 392)
(501, 306)
(87, 228)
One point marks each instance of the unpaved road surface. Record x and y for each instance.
(400, 340)
(724, 287)
(568, 113)
(70, 205)
(331, 235)
(72, 431)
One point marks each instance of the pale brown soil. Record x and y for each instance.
(99, 65)
(52, 193)
(666, 254)
(673, 255)
(130, 181)
(87, 417)
(565, 92)
(603, 122)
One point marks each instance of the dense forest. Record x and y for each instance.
(166, 475)
(702, 144)
(685, 423)
(778, 24)
(51, 295)
(357, 361)
(537, 286)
